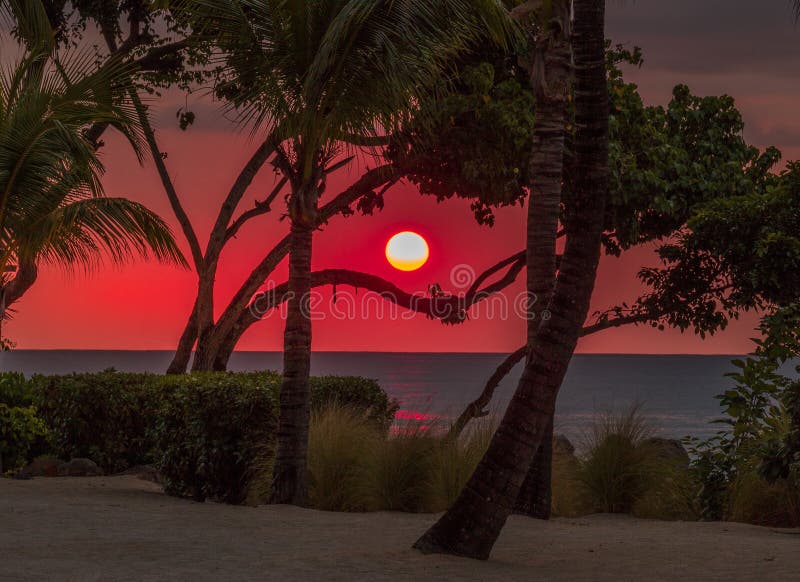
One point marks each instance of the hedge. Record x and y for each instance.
(23, 434)
(105, 417)
(210, 432)
(203, 431)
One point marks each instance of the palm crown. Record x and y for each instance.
(52, 204)
(323, 72)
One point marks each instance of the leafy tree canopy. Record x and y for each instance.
(664, 160)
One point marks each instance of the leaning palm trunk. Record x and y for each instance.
(472, 525)
(290, 479)
(551, 78)
(535, 498)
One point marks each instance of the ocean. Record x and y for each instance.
(676, 392)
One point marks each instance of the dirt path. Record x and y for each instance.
(122, 528)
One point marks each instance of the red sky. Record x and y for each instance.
(750, 52)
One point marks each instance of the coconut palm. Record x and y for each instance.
(52, 204)
(322, 76)
(473, 523)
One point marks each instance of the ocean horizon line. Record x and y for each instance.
(385, 352)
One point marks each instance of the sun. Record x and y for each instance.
(407, 251)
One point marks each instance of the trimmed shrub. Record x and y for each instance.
(15, 390)
(110, 417)
(210, 430)
(21, 433)
(104, 417)
(361, 394)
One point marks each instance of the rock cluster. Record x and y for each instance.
(51, 467)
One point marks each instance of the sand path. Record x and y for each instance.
(123, 528)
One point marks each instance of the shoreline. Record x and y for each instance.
(124, 528)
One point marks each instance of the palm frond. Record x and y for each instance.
(29, 20)
(87, 230)
(328, 69)
(52, 204)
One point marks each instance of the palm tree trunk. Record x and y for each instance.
(472, 525)
(535, 497)
(290, 479)
(547, 170)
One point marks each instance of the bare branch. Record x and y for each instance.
(477, 408)
(219, 233)
(169, 186)
(517, 262)
(618, 322)
(447, 308)
(260, 208)
(237, 307)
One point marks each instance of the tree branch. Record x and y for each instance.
(169, 187)
(517, 263)
(260, 208)
(476, 408)
(220, 230)
(163, 173)
(447, 308)
(369, 182)
(618, 322)
(153, 59)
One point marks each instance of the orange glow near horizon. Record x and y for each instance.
(407, 251)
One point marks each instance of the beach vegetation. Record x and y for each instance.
(621, 467)
(318, 81)
(120, 420)
(356, 465)
(22, 432)
(53, 208)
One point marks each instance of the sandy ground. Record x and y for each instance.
(123, 528)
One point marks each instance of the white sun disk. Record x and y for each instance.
(407, 251)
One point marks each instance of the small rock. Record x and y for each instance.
(562, 446)
(669, 449)
(41, 467)
(79, 468)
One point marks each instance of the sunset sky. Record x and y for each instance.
(743, 48)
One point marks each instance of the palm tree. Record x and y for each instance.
(326, 76)
(52, 205)
(550, 70)
(471, 526)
